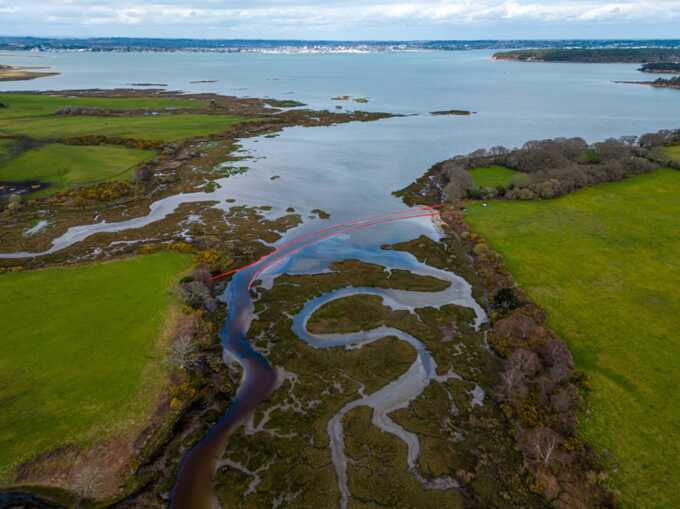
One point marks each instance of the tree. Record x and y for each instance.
(505, 300)
(183, 353)
(544, 441)
(144, 174)
(15, 202)
(460, 183)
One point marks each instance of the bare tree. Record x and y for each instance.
(512, 377)
(182, 353)
(545, 442)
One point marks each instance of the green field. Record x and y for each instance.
(34, 116)
(81, 354)
(5, 148)
(605, 264)
(674, 152)
(492, 176)
(38, 105)
(64, 166)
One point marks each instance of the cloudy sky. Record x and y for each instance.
(344, 19)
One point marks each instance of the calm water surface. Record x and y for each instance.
(344, 168)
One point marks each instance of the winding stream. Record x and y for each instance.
(399, 393)
(194, 487)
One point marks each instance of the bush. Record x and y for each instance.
(209, 257)
(14, 203)
(180, 247)
(460, 183)
(475, 193)
(143, 175)
(505, 300)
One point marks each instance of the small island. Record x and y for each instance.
(452, 112)
(673, 82)
(9, 73)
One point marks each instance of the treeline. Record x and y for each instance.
(554, 167)
(594, 56)
(661, 68)
(667, 82)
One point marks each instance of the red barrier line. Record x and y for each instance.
(278, 249)
(354, 221)
(344, 230)
(320, 238)
(354, 225)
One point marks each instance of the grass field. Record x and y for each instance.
(64, 166)
(605, 264)
(5, 149)
(492, 176)
(36, 105)
(33, 115)
(81, 354)
(674, 152)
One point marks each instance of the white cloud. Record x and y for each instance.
(308, 15)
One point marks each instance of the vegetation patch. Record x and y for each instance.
(65, 166)
(673, 152)
(82, 355)
(492, 176)
(5, 148)
(161, 127)
(351, 314)
(40, 105)
(603, 263)
(544, 168)
(150, 117)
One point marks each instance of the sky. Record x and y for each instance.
(344, 19)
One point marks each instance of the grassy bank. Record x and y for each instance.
(63, 166)
(605, 264)
(35, 116)
(81, 355)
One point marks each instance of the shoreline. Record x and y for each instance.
(660, 83)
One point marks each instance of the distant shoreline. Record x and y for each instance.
(130, 44)
(620, 55)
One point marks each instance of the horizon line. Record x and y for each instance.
(253, 39)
